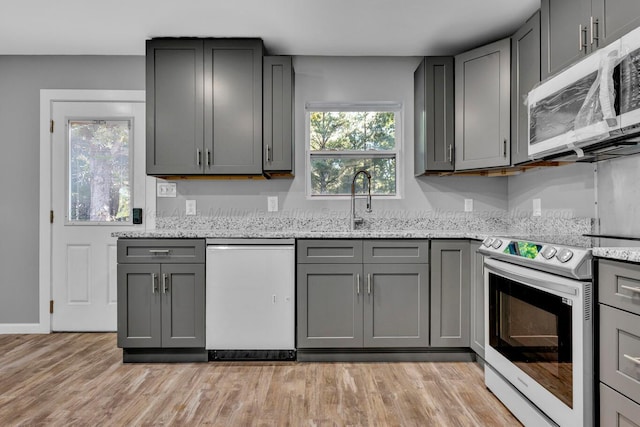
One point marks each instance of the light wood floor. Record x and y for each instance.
(79, 379)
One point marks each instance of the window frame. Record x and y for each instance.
(381, 106)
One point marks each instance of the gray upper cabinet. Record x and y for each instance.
(614, 19)
(233, 106)
(434, 115)
(573, 28)
(483, 106)
(450, 293)
(525, 74)
(278, 122)
(175, 101)
(204, 106)
(564, 33)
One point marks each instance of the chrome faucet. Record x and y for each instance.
(354, 219)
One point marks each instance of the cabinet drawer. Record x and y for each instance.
(620, 351)
(161, 251)
(396, 251)
(617, 410)
(329, 251)
(619, 285)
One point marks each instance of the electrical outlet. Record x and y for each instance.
(166, 189)
(537, 207)
(190, 207)
(272, 203)
(468, 205)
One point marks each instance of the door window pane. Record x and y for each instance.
(99, 171)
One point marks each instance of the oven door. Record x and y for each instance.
(536, 333)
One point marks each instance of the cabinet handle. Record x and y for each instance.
(630, 288)
(154, 283)
(358, 284)
(450, 153)
(504, 148)
(267, 153)
(165, 288)
(369, 283)
(635, 360)
(208, 157)
(593, 24)
(159, 251)
(199, 157)
(582, 38)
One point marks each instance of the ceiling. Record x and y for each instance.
(288, 27)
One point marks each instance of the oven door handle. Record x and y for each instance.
(530, 276)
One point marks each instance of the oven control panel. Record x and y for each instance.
(570, 262)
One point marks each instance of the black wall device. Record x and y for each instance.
(137, 215)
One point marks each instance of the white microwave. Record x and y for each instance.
(595, 101)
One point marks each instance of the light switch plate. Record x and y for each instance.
(190, 207)
(537, 207)
(272, 203)
(468, 205)
(166, 189)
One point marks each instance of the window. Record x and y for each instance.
(344, 138)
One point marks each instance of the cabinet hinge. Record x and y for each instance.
(51, 216)
(51, 127)
(51, 306)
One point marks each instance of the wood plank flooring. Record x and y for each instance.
(79, 379)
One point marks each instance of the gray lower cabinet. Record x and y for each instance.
(161, 299)
(161, 305)
(450, 293)
(483, 106)
(433, 115)
(476, 339)
(618, 285)
(525, 74)
(277, 113)
(351, 304)
(193, 129)
(329, 305)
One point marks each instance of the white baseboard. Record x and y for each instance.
(23, 328)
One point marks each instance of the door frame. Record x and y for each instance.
(47, 98)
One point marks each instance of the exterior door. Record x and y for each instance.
(97, 178)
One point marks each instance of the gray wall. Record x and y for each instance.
(566, 190)
(21, 78)
(619, 197)
(335, 79)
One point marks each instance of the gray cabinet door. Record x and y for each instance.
(615, 18)
(477, 340)
(396, 305)
(277, 114)
(483, 106)
(233, 106)
(174, 107)
(450, 276)
(617, 410)
(330, 298)
(433, 115)
(183, 298)
(525, 74)
(564, 33)
(139, 306)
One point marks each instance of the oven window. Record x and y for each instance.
(532, 329)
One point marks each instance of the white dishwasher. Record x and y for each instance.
(250, 299)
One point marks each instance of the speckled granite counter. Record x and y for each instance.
(547, 230)
(620, 254)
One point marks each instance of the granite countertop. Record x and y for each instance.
(620, 254)
(567, 232)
